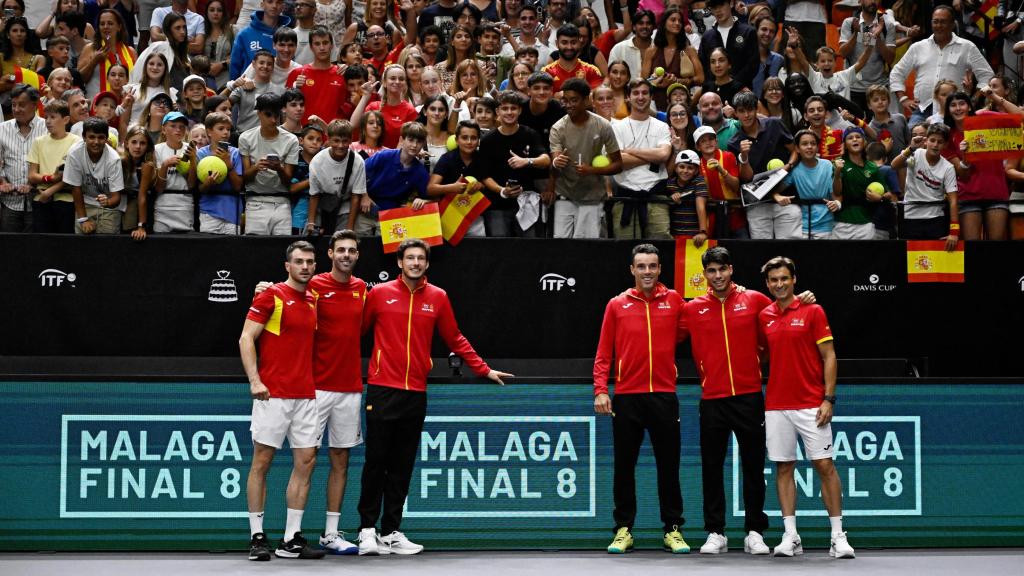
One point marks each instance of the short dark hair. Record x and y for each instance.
(356, 72)
(25, 89)
(292, 95)
(875, 151)
(57, 106)
(469, 124)
(345, 234)
(577, 85)
(269, 102)
(643, 249)
(486, 101)
(262, 52)
(413, 243)
(510, 97)
(816, 98)
(431, 31)
(805, 132)
(414, 130)
(95, 125)
(321, 32)
(285, 34)
(74, 21)
(639, 82)
(569, 30)
(540, 77)
(938, 128)
(300, 245)
(716, 255)
(776, 263)
(745, 100)
(528, 7)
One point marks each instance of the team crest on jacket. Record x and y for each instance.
(427, 307)
(664, 306)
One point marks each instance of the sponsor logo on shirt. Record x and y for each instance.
(664, 306)
(797, 322)
(768, 325)
(328, 295)
(427, 307)
(703, 311)
(627, 305)
(392, 301)
(739, 307)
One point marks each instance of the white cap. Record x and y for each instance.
(193, 78)
(688, 157)
(704, 131)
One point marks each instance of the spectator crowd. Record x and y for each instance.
(626, 119)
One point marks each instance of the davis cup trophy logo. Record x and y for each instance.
(222, 289)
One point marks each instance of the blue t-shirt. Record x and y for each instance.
(814, 184)
(390, 184)
(300, 210)
(222, 201)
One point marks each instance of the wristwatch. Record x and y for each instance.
(830, 399)
(529, 161)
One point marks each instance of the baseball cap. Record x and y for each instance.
(172, 116)
(673, 87)
(193, 78)
(166, 99)
(688, 157)
(101, 95)
(704, 131)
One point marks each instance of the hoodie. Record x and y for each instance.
(257, 36)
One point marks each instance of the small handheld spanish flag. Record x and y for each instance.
(928, 261)
(399, 224)
(689, 272)
(23, 75)
(458, 212)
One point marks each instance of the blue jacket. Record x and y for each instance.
(256, 36)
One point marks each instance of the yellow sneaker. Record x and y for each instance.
(622, 543)
(674, 542)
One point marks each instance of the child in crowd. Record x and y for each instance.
(688, 212)
(53, 209)
(139, 172)
(172, 210)
(220, 204)
(93, 171)
(247, 90)
(885, 215)
(812, 176)
(311, 141)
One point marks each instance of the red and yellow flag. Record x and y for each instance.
(458, 212)
(689, 276)
(928, 261)
(994, 137)
(403, 223)
(119, 55)
(24, 75)
(987, 11)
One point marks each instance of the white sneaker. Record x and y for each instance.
(790, 545)
(335, 543)
(754, 544)
(370, 544)
(716, 544)
(397, 543)
(841, 547)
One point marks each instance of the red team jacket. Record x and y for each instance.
(339, 313)
(726, 342)
(404, 322)
(641, 335)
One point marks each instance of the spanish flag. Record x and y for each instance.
(928, 261)
(689, 273)
(119, 55)
(23, 75)
(403, 223)
(458, 212)
(994, 137)
(987, 11)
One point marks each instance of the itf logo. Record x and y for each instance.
(552, 282)
(222, 289)
(53, 278)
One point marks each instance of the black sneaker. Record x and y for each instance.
(298, 548)
(259, 548)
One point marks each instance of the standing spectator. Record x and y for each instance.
(269, 156)
(720, 77)
(243, 98)
(868, 28)
(337, 182)
(770, 61)
(575, 185)
(513, 153)
(809, 19)
(440, 14)
(689, 194)
(721, 174)
(632, 49)
(673, 54)
(645, 147)
(941, 55)
(321, 84)
(173, 209)
(71, 25)
(371, 134)
(527, 38)
(453, 170)
(394, 104)
(542, 111)
(220, 206)
(16, 138)
(305, 13)
(813, 178)
(393, 177)
(53, 208)
(567, 64)
(47, 28)
(285, 41)
(155, 79)
(335, 16)
(111, 47)
(738, 40)
(220, 35)
(461, 46)
(891, 128)
(58, 55)
(831, 140)
(712, 115)
(857, 201)
(177, 40)
(93, 172)
(139, 172)
(16, 49)
(258, 35)
(884, 218)
(195, 27)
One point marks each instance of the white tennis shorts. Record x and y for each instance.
(782, 428)
(339, 415)
(275, 419)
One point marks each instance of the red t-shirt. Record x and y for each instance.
(986, 179)
(339, 314)
(286, 344)
(588, 72)
(605, 42)
(796, 378)
(325, 92)
(394, 117)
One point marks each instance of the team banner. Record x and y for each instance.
(162, 466)
(402, 223)
(928, 261)
(994, 137)
(689, 277)
(458, 212)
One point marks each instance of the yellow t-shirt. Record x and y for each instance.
(49, 154)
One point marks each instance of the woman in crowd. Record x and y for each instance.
(434, 116)
(48, 27)
(177, 37)
(15, 47)
(414, 66)
(588, 52)
(155, 80)
(109, 48)
(721, 80)
(469, 83)
(393, 104)
(220, 35)
(672, 54)
(618, 80)
(460, 47)
(774, 103)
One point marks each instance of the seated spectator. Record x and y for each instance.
(688, 217)
(178, 45)
(854, 219)
(111, 47)
(775, 103)
(16, 138)
(15, 48)
(47, 28)
(337, 184)
(931, 180)
(93, 171)
(461, 47)
(58, 55)
(720, 78)
(284, 49)
(394, 177)
(813, 179)
(645, 146)
(770, 62)
(269, 155)
(173, 205)
(53, 208)
(72, 25)
(57, 83)
(469, 84)
(220, 205)
(195, 26)
(139, 172)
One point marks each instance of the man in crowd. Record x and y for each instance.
(16, 138)
(738, 39)
(631, 50)
(257, 35)
(567, 64)
(321, 84)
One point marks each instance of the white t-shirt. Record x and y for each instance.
(175, 180)
(723, 31)
(806, 11)
(650, 133)
(256, 146)
(926, 183)
(94, 178)
(326, 176)
(194, 23)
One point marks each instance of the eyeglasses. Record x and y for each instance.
(677, 115)
(773, 89)
(161, 104)
(375, 34)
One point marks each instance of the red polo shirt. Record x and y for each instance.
(588, 72)
(286, 344)
(339, 314)
(325, 91)
(797, 376)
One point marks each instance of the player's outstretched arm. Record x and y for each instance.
(497, 376)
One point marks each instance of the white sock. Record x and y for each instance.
(790, 524)
(332, 522)
(255, 523)
(837, 524)
(293, 524)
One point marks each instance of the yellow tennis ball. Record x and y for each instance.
(775, 164)
(214, 165)
(600, 161)
(452, 144)
(659, 71)
(876, 188)
(112, 139)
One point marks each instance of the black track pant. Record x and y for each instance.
(394, 421)
(742, 415)
(656, 413)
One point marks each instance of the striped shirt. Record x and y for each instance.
(14, 148)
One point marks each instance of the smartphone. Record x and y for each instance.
(511, 183)
(273, 158)
(223, 145)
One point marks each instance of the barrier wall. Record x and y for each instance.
(187, 296)
(136, 465)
